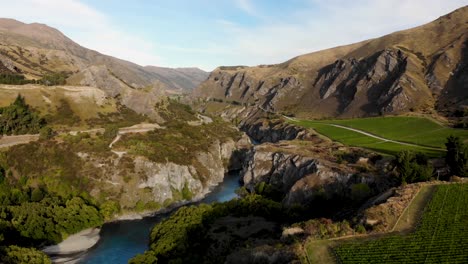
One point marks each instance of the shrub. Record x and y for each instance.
(46, 133)
(16, 255)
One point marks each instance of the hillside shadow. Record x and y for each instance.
(455, 92)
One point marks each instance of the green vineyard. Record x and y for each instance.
(441, 237)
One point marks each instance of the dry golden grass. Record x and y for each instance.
(86, 102)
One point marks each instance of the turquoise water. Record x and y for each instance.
(122, 240)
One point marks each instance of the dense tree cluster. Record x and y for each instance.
(14, 79)
(56, 78)
(18, 118)
(412, 167)
(457, 156)
(182, 238)
(14, 255)
(31, 216)
(36, 216)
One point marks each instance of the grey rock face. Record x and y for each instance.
(139, 100)
(7, 65)
(387, 81)
(278, 169)
(165, 178)
(371, 83)
(301, 178)
(135, 179)
(262, 130)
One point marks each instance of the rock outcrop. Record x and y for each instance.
(265, 130)
(305, 172)
(374, 85)
(138, 180)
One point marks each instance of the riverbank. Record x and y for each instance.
(130, 216)
(74, 244)
(123, 239)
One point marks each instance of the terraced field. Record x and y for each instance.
(409, 133)
(441, 236)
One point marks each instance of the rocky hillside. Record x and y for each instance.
(400, 72)
(179, 79)
(140, 170)
(36, 50)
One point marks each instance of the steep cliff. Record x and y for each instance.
(400, 72)
(304, 172)
(137, 181)
(262, 129)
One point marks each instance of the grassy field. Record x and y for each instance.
(420, 131)
(441, 236)
(417, 130)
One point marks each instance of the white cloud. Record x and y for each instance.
(329, 23)
(85, 25)
(319, 24)
(246, 6)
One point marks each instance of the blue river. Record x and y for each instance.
(120, 241)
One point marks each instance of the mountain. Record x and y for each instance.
(423, 69)
(179, 79)
(36, 50)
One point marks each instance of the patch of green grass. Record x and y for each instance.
(416, 130)
(356, 139)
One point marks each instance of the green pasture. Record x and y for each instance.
(428, 135)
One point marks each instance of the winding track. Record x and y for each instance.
(8, 141)
(383, 139)
(374, 136)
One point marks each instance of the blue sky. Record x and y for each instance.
(211, 33)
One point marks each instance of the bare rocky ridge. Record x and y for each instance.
(400, 72)
(36, 50)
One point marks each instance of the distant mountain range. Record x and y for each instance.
(423, 69)
(35, 50)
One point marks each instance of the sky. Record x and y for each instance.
(211, 33)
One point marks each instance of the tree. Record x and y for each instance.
(2, 175)
(46, 133)
(17, 255)
(412, 167)
(403, 165)
(18, 118)
(457, 156)
(109, 208)
(37, 195)
(111, 132)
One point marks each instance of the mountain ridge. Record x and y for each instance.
(397, 73)
(37, 50)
